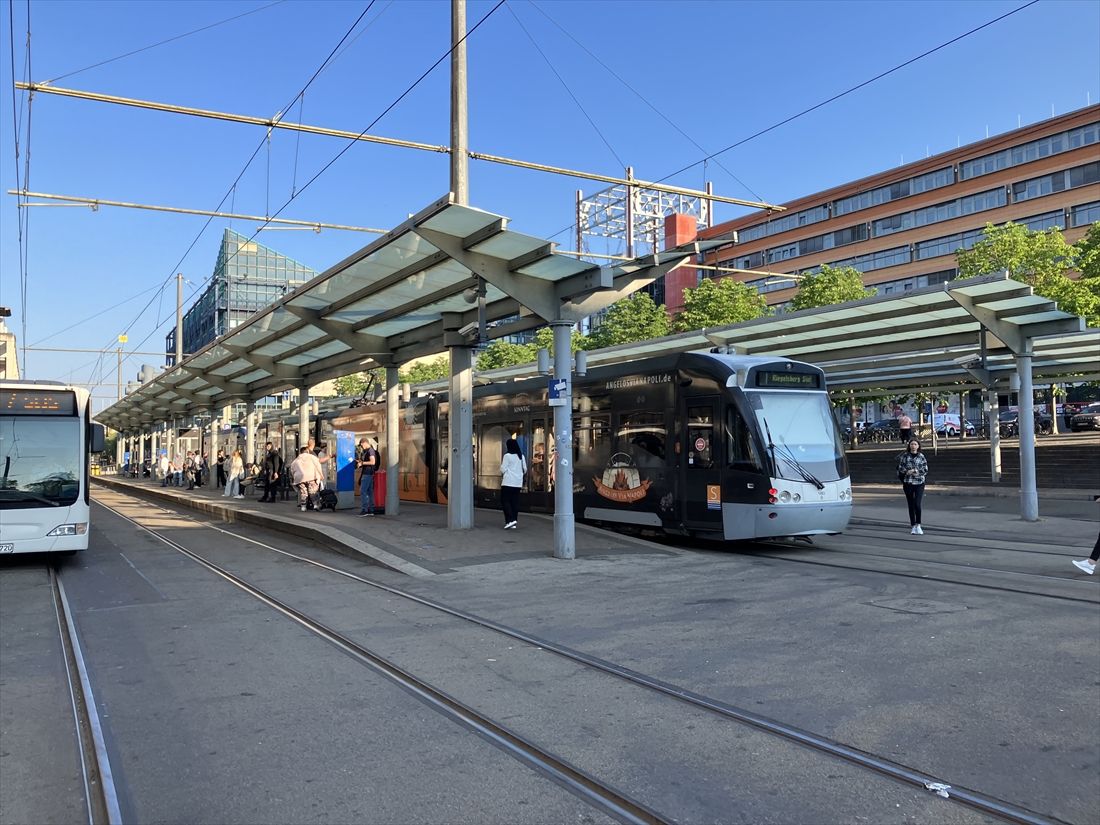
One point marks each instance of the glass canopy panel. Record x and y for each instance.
(405, 323)
(231, 368)
(255, 375)
(555, 268)
(460, 221)
(323, 351)
(209, 391)
(191, 386)
(174, 377)
(508, 245)
(206, 359)
(298, 338)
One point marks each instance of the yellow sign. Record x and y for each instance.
(122, 339)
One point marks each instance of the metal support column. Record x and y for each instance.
(250, 433)
(303, 418)
(565, 539)
(141, 452)
(212, 451)
(993, 427)
(393, 440)
(460, 428)
(1029, 495)
(154, 449)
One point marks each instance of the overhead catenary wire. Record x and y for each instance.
(164, 42)
(232, 188)
(852, 89)
(568, 90)
(638, 94)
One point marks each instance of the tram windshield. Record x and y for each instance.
(804, 432)
(40, 461)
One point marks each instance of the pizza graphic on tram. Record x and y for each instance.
(622, 481)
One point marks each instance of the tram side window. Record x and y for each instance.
(641, 435)
(591, 439)
(742, 448)
(700, 428)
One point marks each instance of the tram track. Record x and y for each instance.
(100, 795)
(984, 803)
(1090, 599)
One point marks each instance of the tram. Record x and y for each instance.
(46, 439)
(701, 443)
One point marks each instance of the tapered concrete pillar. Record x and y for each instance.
(565, 539)
(993, 427)
(460, 426)
(250, 433)
(1029, 494)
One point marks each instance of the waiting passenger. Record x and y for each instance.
(306, 473)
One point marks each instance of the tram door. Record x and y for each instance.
(701, 464)
(540, 469)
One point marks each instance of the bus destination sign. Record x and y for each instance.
(37, 402)
(788, 380)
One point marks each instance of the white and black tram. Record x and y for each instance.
(701, 443)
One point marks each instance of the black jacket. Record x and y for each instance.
(273, 463)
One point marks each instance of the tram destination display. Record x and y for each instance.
(37, 402)
(788, 380)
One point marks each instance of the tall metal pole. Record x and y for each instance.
(565, 539)
(460, 136)
(179, 318)
(250, 433)
(393, 440)
(119, 353)
(1029, 495)
(630, 214)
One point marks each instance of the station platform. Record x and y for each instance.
(417, 542)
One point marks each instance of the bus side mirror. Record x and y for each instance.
(98, 438)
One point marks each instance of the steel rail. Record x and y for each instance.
(895, 770)
(95, 765)
(581, 784)
(1020, 591)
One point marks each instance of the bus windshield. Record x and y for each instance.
(804, 432)
(40, 461)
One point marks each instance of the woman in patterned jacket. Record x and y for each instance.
(912, 470)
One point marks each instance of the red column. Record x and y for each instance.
(678, 229)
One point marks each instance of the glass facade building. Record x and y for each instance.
(247, 277)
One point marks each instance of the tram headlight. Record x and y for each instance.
(78, 529)
(796, 498)
(784, 497)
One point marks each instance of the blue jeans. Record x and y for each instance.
(366, 493)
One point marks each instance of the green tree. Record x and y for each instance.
(501, 353)
(1042, 260)
(544, 339)
(832, 285)
(636, 318)
(349, 386)
(426, 371)
(718, 304)
(1088, 253)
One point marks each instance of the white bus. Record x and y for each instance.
(46, 440)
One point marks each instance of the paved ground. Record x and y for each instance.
(970, 653)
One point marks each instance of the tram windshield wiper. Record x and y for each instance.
(771, 445)
(20, 495)
(788, 456)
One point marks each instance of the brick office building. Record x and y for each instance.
(901, 228)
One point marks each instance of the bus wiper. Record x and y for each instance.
(788, 456)
(24, 496)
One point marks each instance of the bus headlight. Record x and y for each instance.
(784, 496)
(78, 529)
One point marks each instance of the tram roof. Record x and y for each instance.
(407, 294)
(912, 342)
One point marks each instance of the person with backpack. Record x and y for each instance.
(190, 469)
(512, 468)
(273, 471)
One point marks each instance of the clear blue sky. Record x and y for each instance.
(721, 70)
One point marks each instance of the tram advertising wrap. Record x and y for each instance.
(724, 446)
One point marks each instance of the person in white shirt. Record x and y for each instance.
(233, 476)
(512, 469)
(306, 473)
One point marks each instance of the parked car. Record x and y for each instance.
(1087, 419)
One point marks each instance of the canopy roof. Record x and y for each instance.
(915, 341)
(405, 295)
